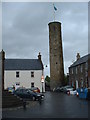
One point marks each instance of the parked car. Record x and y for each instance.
(35, 89)
(58, 89)
(36, 92)
(64, 89)
(27, 94)
(72, 92)
(10, 89)
(67, 89)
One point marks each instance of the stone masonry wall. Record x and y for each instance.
(56, 55)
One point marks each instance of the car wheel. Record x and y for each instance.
(33, 98)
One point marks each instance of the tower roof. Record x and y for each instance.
(55, 22)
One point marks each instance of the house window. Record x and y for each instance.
(72, 70)
(32, 74)
(17, 74)
(86, 66)
(72, 83)
(76, 84)
(86, 73)
(17, 83)
(81, 69)
(76, 70)
(32, 84)
(81, 83)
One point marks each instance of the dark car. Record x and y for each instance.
(35, 89)
(58, 89)
(29, 89)
(27, 94)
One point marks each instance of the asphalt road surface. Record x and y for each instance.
(54, 105)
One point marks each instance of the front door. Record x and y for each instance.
(76, 84)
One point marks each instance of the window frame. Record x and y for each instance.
(32, 74)
(81, 68)
(76, 70)
(72, 70)
(86, 65)
(32, 84)
(17, 74)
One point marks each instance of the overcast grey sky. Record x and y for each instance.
(25, 30)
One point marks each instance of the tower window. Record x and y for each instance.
(54, 28)
(56, 62)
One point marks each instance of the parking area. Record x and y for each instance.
(54, 105)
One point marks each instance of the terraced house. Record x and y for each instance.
(78, 72)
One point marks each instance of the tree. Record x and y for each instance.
(66, 79)
(47, 79)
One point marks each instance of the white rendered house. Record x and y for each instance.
(23, 73)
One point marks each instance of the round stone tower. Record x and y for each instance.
(56, 55)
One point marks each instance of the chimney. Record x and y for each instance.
(39, 56)
(78, 56)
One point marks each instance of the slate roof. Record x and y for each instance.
(22, 64)
(81, 60)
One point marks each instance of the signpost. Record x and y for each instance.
(42, 81)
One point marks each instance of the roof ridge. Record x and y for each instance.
(20, 59)
(80, 60)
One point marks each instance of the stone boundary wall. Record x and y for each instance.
(0, 85)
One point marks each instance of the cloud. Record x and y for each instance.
(26, 33)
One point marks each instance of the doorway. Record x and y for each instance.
(76, 84)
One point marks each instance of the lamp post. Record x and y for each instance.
(42, 81)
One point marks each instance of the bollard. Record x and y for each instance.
(24, 104)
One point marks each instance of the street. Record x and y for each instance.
(54, 105)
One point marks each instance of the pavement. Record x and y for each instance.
(54, 105)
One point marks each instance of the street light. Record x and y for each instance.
(42, 81)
